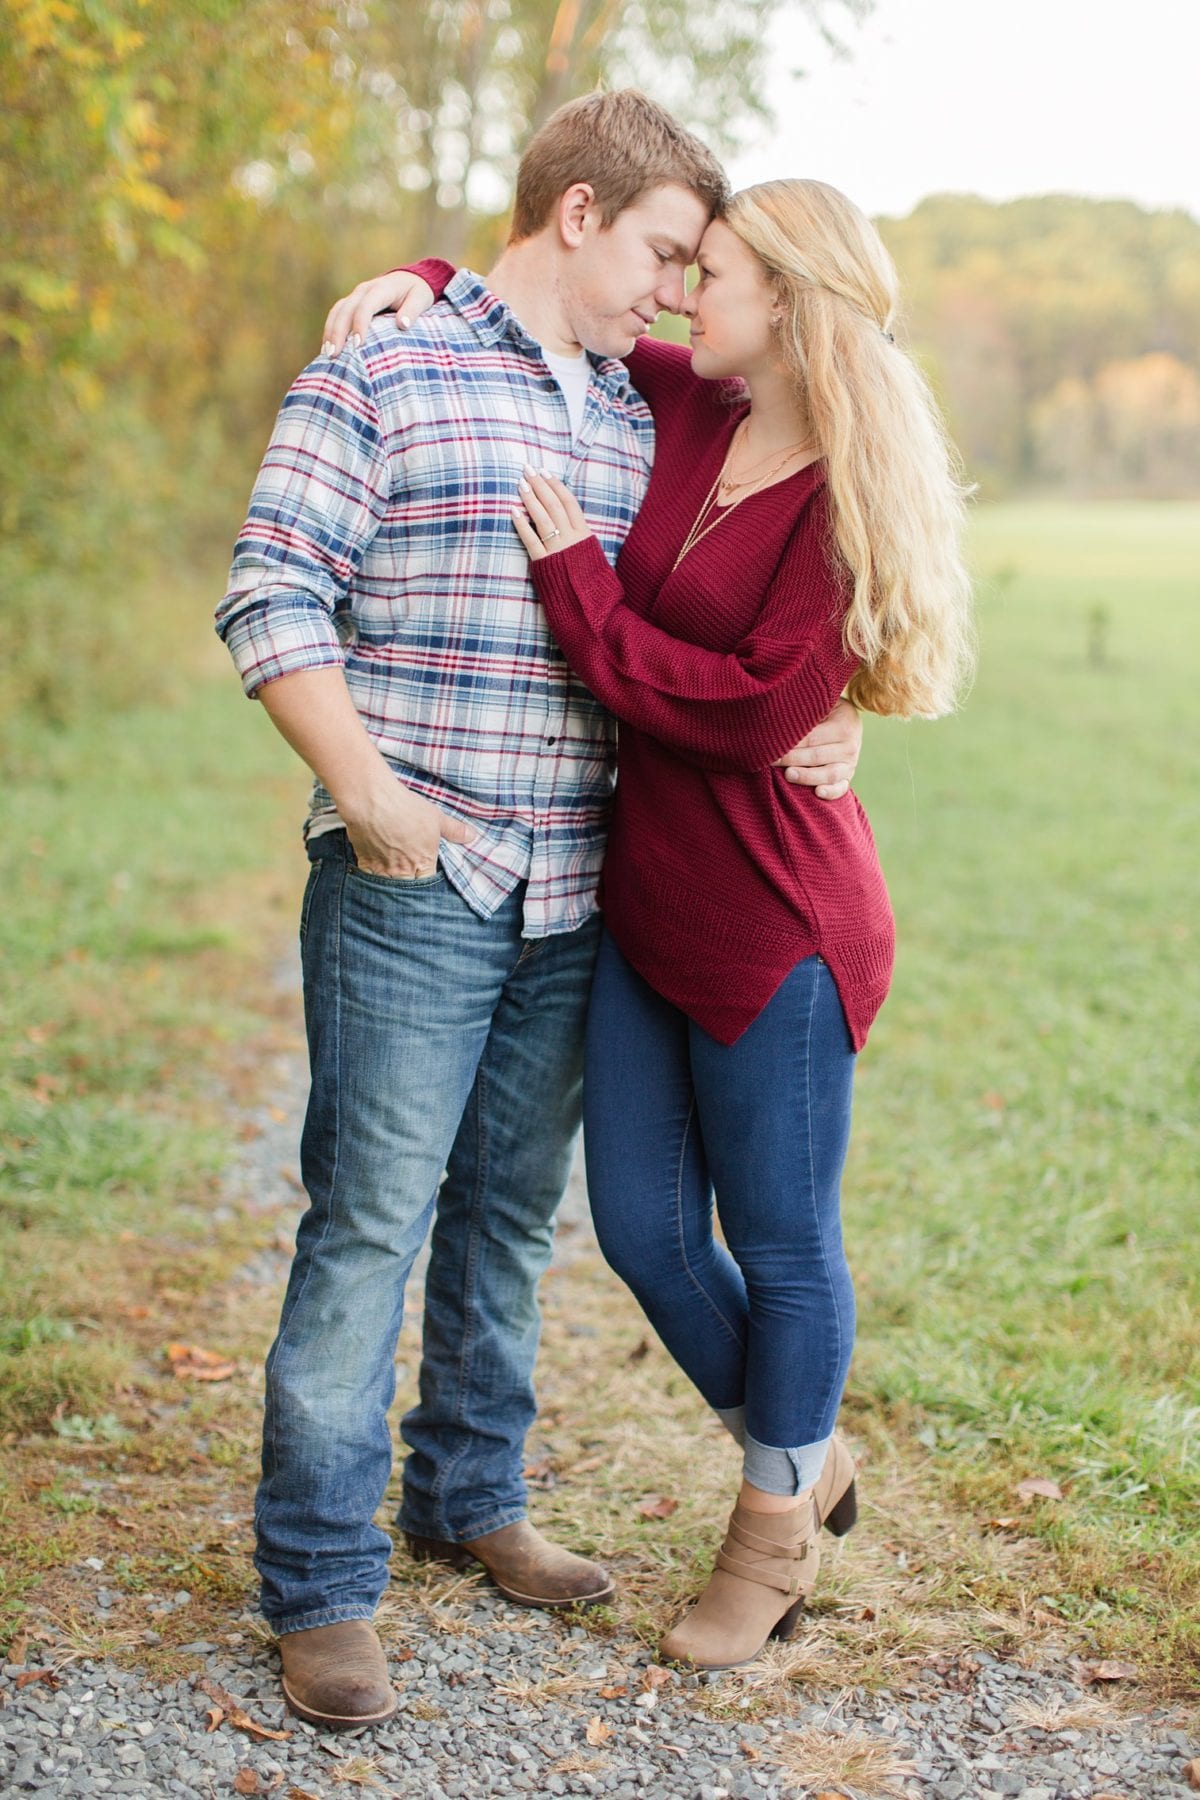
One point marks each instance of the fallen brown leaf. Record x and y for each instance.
(1107, 1671)
(113, 1518)
(1007, 1523)
(613, 1693)
(1191, 1772)
(659, 1508)
(597, 1731)
(1039, 1487)
(748, 1751)
(215, 1716)
(236, 1713)
(639, 1352)
(191, 1363)
(31, 1675)
(654, 1677)
(247, 1782)
(541, 1474)
(587, 1465)
(295, 1793)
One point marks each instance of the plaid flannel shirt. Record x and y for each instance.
(380, 540)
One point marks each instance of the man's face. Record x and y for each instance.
(618, 279)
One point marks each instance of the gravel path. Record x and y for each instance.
(495, 1700)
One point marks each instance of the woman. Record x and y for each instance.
(799, 538)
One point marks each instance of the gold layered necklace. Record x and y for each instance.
(702, 524)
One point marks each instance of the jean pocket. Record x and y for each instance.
(395, 881)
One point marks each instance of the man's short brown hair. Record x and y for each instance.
(621, 144)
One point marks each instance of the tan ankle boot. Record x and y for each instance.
(766, 1569)
(834, 1494)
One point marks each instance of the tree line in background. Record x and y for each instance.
(1064, 335)
(184, 188)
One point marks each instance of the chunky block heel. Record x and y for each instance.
(843, 1514)
(784, 1628)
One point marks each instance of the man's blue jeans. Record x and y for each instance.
(438, 1041)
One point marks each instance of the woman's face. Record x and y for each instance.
(730, 308)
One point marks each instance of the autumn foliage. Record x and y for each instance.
(183, 189)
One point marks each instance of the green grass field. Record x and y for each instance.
(1020, 1203)
(1022, 1196)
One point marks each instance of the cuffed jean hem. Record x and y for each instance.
(497, 1522)
(783, 1471)
(323, 1615)
(733, 1418)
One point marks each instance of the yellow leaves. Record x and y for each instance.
(84, 386)
(125, 40)
(40, 288)
(147, 197)
(100, 310)
(38, 23)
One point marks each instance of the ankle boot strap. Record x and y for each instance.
(776, 1564)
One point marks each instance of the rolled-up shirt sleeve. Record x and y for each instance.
(321, 494)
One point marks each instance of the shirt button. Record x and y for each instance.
(553, 740)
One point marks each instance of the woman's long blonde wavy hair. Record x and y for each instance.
(896, 501)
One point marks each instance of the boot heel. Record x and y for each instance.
(425, 1550)
(841, 1517)
(785, 1626)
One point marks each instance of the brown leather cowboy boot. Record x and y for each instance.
(336, 1675)
(766, 1569)
(525, 1566)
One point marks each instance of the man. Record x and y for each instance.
(380, 608)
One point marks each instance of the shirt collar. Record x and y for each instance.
(492, 319)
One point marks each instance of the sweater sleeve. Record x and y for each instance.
(433, 269)
(729, 711)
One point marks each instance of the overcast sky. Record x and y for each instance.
(1000, 98)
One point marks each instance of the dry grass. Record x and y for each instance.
(1058, 1714)
(356, 1771)
(576, 1763)
(848, 1763)
(546, 1691)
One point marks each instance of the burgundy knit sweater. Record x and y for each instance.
(721, 875)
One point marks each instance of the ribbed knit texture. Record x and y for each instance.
(721, 875)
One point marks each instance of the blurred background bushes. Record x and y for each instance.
(184, 189)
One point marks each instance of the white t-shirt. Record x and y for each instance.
(572, 374)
